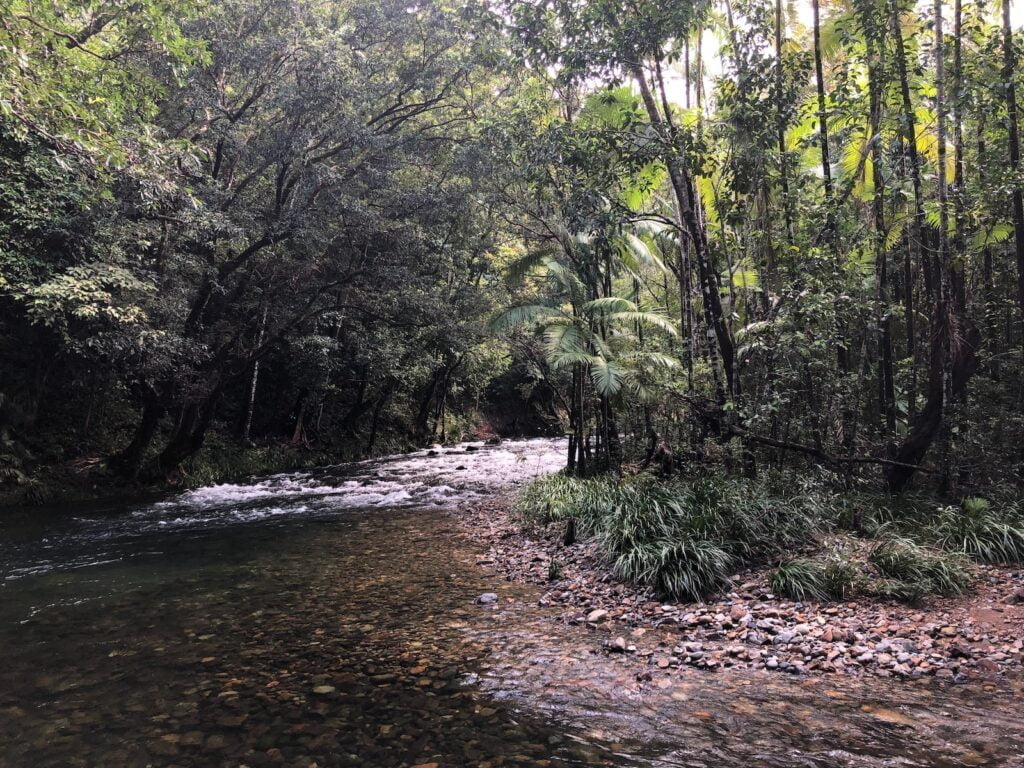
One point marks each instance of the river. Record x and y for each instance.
(330, 618)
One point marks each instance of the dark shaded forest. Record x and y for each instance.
(736, 236)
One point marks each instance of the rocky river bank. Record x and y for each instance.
(334, 618)
(976, 636)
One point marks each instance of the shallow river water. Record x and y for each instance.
(328, 618)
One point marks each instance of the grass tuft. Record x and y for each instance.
(976, 530)
(801, 580)
(901, 559)
(681, 537)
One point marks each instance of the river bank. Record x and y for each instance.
(335, 617)
(89, 481)
(979, 635)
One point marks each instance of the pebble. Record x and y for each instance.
(856, 637)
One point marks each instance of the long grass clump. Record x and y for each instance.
(977, 530)
(921, 570)
(801, 579)
(681, 537)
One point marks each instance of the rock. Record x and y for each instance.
(192, 738)
(487, 598)
(619, 645)
(948, 632)
(1016, 597)
(216, 741)
(164, 748)
(323, 690)
(956, 650)
(597, 615)
(494, 441)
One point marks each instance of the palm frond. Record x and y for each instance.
(641, 251)
(524, 314)
(607, 376)
(647, 318)
(517, 271)
(609, 304)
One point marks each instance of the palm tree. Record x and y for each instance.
(598, 338)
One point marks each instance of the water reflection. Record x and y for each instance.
(431, 478)
(353, 639)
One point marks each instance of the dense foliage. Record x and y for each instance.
(255, 218)
(740, 234)
(829, 222)
(687, 538)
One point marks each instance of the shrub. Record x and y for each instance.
(976, 530)
(912, 592)
(874, 514)
(842, 575)
(689, 568)
(681, 537)
(554, 570)
(801, 580)
(834, 577)
(550, 499)
(902, 560)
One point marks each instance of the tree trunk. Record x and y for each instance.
(952, 355)
(253, 380)
(684, 195)
(887, 387)
(1008, 75)
(916, 231)
(192, 433)
(382, 401)
(780, 127)
(128, 462)
(819, 81)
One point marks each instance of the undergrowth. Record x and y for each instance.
(682, 537)
(928, 570)
(977, 530)
(685, 536)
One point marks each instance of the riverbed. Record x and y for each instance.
(334, 618)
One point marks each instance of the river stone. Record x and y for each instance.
(597, 615)
(487, 598)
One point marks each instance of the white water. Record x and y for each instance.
(431, 477)
(437, 477)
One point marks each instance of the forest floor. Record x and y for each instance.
(977, 635)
